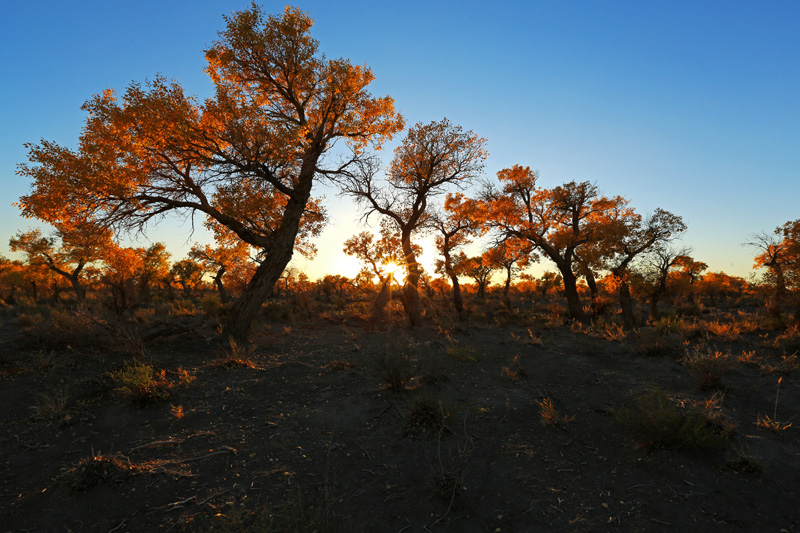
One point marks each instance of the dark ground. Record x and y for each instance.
(310, 437)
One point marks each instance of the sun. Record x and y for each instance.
(391, 268)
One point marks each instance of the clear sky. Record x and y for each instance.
(689, 106)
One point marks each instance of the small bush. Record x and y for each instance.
(276, 311)
(658, 422)
(212, 307)
(142, 383)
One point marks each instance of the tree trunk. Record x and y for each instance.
(571, 292)
(279, 253)
(223, 294)
(410, 295)
(379, 305)
(458, 301)
(655, 314)
(80, 291)
(246, 307)
(593, 292)
(625, 301)
(507, 288)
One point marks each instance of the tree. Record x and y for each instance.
(381, 259)
(454, 229)
(431, 157)
(780, 255)
(629, 237)
(188, 272)
(690, 273)
(660, 262)
(480, 270)
(155, 266)
(512, 255)
(246, 158)
(557, 221)
(66, 253)
(222, 259)
(122, 268)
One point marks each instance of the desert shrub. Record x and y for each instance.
(723, 331)
(144, 315)
(61, 329)
(180, 307)
(277, 311)
(342, 365)
(514, 370)
(658, 422)
(144, 385)
(53, 407)
(427, 413)
(788, 341)
(785, 366)
(212, 307)
(689, 310)
(653, 342)
(709, 365)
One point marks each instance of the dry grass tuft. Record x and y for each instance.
(549, 415)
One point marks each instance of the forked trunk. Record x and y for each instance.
(223, 294)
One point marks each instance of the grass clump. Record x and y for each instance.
(427, 414)
(465, 353)
(658, 422)
(236, 356)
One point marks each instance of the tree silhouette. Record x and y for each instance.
(66, 253)
(431, 157)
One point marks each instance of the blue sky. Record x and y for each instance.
(689, 106)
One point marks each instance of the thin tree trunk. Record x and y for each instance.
(593, 292)
(223, 294)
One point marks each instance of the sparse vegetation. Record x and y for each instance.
(657, 421)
